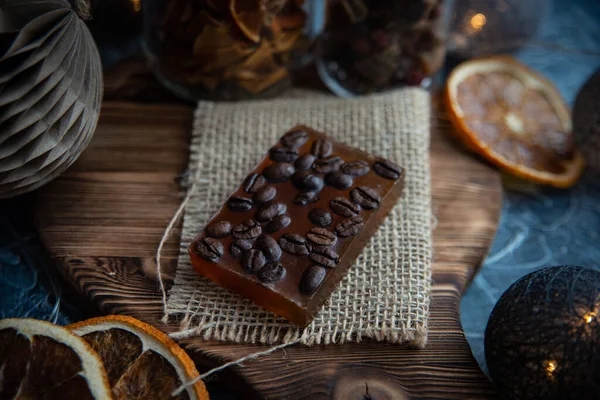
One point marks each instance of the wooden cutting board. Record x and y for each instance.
(102, 220)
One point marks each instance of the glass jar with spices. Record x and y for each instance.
(225, 49)
(374, 45)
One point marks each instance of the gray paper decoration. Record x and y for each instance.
(50, 91)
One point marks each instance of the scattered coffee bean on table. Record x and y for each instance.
(297, 223)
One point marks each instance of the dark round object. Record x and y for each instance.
(542, 340)
(586, 122)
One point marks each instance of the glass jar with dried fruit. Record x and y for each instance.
(374, 45)
(225, 49)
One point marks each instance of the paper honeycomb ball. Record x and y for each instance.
(542, 340)
(50, 91)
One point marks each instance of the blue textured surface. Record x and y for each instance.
(539, 227)
(29, 286)
(543, 227)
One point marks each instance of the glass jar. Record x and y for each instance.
(226, 49)
(479, 28)
(374, 45)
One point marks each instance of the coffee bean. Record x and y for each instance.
(269, 210)
(338, 180)
(218, 229)
(269, 247)
(319, 217)
(324, 256)
(294, 139)
(294, 244)
(249, 229)
(327, 165)
(388, 169)
(277, 223)
(321, 237)
(322, 148)
(253, 260)
(271, 272)
(365, 197)
(312, 279)
(349, 227)
(253, 182)
(239, 204)
(239, 247)
(304, 180)
(265, 194)
(355, 168)
(209, 248)
(283, 154)
(344, 207)
(304, 162)
(278, 172)
(306, 198)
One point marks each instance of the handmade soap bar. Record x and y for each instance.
(289, 233)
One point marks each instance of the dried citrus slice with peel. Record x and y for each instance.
(39, 360)
(141, 361)
(514, 118)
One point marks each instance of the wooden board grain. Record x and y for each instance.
(102, 221)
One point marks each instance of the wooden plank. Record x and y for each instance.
(102, 221)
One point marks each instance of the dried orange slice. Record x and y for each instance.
(514, 118)
(141, 361)
(248, 15)
(39, 360)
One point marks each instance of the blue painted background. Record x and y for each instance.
(539, 226)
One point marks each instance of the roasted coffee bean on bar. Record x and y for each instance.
(295, 225)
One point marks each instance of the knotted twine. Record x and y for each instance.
(385, 295)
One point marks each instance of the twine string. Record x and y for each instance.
(161, 244)
(238, 362)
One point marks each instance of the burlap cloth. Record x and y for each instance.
(385, 295)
